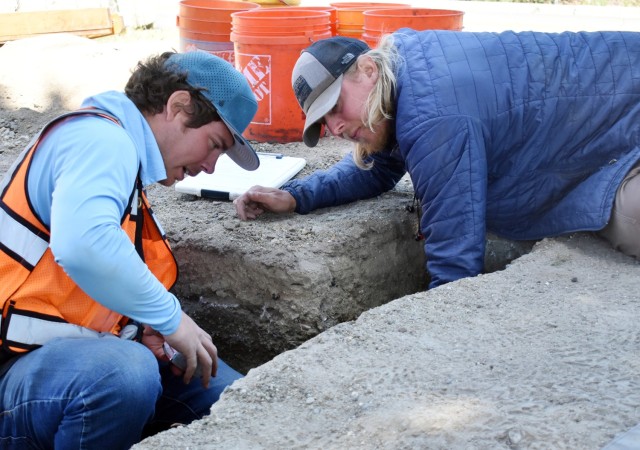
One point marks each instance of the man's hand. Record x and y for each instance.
(154, 341)
(196, 345)
(259, 199)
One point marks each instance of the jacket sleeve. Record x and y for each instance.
(345, 182)
(449, 171)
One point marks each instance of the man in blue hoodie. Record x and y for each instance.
(88, 323)
(527, 135)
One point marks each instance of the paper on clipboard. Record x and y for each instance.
(229, 181)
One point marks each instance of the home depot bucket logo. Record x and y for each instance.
(257, 70)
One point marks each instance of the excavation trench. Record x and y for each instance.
(273, 284)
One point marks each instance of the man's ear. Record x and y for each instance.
(368, 67)
(178, 102)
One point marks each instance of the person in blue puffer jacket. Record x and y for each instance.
(527, 135)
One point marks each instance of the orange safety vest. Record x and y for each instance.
(39, 301)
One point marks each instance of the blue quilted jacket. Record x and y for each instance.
(527, 135)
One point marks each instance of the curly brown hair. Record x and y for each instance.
(151, 84)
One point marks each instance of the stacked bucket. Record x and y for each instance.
(350, 15)
(264, 38)
(267, 45)
(378, 22)
(206, 25)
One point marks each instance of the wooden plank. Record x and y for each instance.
(91, 22)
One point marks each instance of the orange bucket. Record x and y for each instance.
(206, 25)
(350, 15)
(383, 21)
(333, 20)
(267, 44)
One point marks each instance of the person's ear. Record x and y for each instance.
(368, 67)
(177, 103)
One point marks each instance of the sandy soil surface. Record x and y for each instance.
(543, 355)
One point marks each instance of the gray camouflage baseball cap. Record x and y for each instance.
(317, 79)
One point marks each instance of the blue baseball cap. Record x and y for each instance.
(229, 93)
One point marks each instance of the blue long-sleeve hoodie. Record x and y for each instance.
(80, 184)
(527, 135)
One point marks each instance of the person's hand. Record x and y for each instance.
(259, 199)
(154, 341)
(197, 347)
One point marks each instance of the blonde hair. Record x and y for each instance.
(380, 104)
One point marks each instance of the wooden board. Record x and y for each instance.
(90, 22)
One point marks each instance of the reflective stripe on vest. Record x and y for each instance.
(21, 241)
(29, 331)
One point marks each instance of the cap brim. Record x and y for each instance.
(241, 151)
(321, 106)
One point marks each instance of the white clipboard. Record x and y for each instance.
(229, 181)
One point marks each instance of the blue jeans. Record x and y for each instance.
(97, 394)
